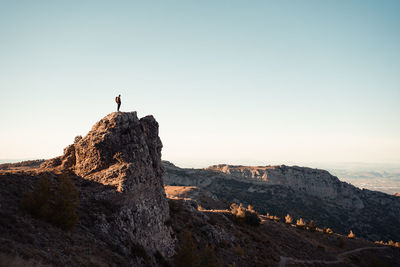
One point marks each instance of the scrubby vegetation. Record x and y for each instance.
(300, 224)
(288, 219)
(389, 243)
(55, 205)
(351, 235)
(248, 215)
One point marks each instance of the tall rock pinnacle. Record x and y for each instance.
(124, 152)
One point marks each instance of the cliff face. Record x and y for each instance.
(124, 153)
(315, 182)
(303, 192)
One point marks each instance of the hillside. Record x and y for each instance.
(104, 203)
(312, 194)
(116, 169)
(272, 243)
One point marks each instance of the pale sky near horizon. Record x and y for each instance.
(239, 82)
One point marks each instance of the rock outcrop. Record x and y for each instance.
(124, 153)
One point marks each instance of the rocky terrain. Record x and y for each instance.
(312, 194)
(272, 243)
(125, 218)
(123, 209)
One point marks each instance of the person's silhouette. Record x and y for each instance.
(118, 100)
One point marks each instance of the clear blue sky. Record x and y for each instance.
(250, 82)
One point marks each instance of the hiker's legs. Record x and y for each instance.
(119, 104)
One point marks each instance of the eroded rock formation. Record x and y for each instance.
(124, 152)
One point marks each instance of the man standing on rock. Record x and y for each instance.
(118, 100)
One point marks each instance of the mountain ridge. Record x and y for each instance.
(312, 194)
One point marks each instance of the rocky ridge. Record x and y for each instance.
(303, 192)
(315, 182)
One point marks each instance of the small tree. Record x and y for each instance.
(351, 235)
(242, 214)
(300, 224)
(288, 219)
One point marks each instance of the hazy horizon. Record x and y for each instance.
(235, 82)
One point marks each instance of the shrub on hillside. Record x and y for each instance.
(288, 219)
(351, 235)
(238, 211)
(250, 208)
(300, 224)
(248, 216)
(56, 206)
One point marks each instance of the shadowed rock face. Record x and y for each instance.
(125, 152)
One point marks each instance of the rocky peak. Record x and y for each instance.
(120, 150)
(124, 151)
